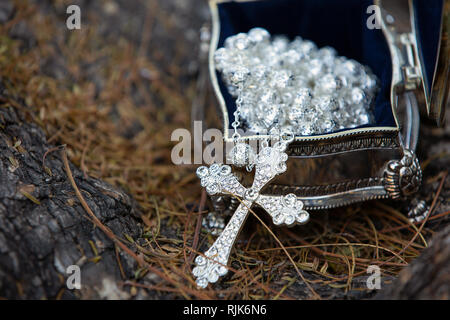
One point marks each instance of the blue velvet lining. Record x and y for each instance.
(339, 24)
(428, 18)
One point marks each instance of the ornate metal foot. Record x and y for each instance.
(214, 223)
(403, 177)
(418, 211)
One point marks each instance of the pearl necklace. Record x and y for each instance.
(294, 85)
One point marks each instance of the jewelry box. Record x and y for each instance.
(405, 43)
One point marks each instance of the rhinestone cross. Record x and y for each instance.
(219, 179)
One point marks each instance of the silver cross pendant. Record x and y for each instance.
(219, 179)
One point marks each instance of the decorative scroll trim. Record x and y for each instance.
(316, 149)
(314, 191)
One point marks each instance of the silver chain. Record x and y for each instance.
(236, 123)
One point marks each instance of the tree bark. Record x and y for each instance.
(44, 229)
(427, 277)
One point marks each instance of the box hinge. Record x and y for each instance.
(411, 72)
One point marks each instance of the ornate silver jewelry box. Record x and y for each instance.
(406, 45)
